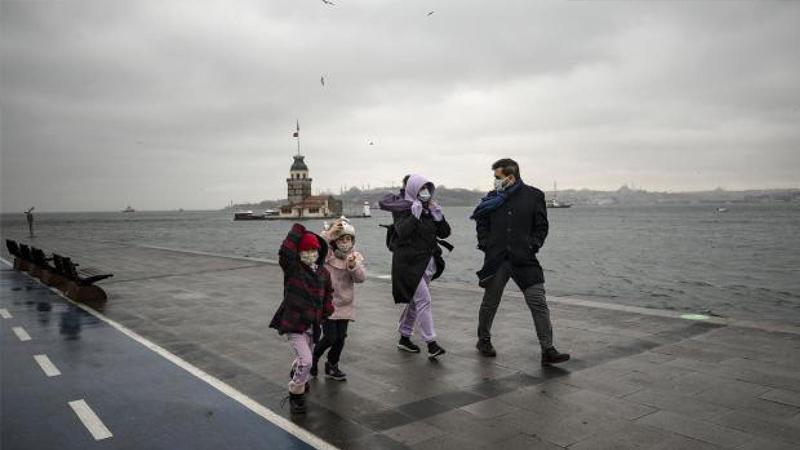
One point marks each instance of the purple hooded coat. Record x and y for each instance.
(415, 242)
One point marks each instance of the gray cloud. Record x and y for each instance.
(180, 104)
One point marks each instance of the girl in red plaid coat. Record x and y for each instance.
(307, 295)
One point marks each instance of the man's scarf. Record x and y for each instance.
(494, 200)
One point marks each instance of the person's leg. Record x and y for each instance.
(537, 303)
(422, 302)
(328, 336)
(338, 344)
(302, 345)
(407, 320)
(491, 300)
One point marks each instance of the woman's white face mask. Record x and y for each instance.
(309, 257)
(424, 195)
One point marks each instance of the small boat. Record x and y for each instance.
(272, 212)
(247, 215)
(722, 210)
(128, 209)
(554, 203)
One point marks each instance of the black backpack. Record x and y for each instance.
(391, 236)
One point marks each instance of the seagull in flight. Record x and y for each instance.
(328, 2)
(430, 13)
(322, 80)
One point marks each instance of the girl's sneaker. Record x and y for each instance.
(332, 371)
(406, 345)
(434, 351)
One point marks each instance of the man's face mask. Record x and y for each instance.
(309, 257)
(500, 184)
(424, 195)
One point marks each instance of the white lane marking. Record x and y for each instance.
(90, 420)
(21, 334)
(221, 386)
(230, 391)
(47, 366)
(4, 313)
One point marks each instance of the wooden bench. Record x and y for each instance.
(43, 269)
(13, 250)
(81, 286)
(26, 257)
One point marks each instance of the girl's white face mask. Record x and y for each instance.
(344, 245)
(309, 257)
(424, 195)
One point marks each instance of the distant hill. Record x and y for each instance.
(355, 197)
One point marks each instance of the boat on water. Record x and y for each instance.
(722, 210)
(554, 203)
(128, 209)
(272, 213)
(248, 215)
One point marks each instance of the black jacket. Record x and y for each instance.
(415, 243)
(514, 232)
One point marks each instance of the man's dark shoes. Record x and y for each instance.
(434, 351)
(552, 356)
(314, 370)
(406, 345)
(332, 371)
(297, 403)
(486, 348)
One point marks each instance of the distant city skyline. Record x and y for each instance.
(172, 105)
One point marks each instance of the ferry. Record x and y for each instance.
(128, 209)
(248, 215)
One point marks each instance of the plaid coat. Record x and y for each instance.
(307, 293)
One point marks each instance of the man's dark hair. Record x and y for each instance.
(509, 166)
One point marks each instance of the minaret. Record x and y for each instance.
(298, 183)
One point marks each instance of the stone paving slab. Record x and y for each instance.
(638, 378)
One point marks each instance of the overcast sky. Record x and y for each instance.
(167, 104)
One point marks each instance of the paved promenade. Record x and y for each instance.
(638, 378)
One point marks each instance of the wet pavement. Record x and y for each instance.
(638, 378)
(58, 361)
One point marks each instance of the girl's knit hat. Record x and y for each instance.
(347, 229)
(309, 241)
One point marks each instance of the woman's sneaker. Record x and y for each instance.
(434, 351)
(406, 345)
(332, 371)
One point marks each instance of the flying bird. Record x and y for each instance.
(430, 13)
(322, 80)
(328, 2)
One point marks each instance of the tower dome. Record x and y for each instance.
(299, 165)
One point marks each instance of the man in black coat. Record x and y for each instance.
(511, 222)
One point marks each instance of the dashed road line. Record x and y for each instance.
(21, 333)
(4, 313)
(47, 366)
(90, 420)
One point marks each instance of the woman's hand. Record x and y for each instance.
(351, 261)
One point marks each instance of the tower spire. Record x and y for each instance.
(297, 135)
